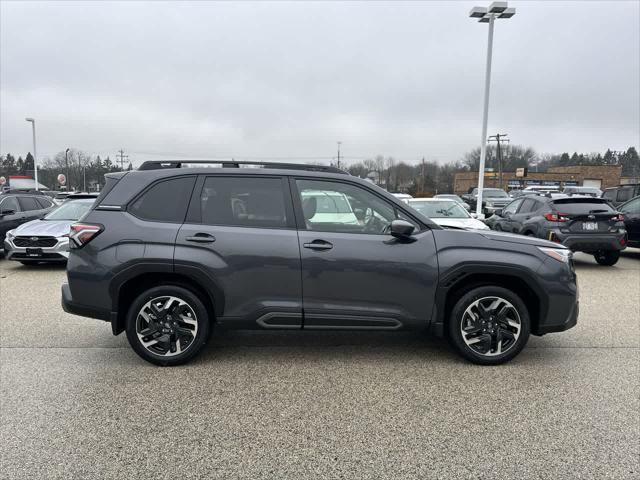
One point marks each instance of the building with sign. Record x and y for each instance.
(600, 176)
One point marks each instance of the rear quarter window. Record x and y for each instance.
(165, 201)
(29, 204)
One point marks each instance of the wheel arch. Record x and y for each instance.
(125, 288)
(457, 283)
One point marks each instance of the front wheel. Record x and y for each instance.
(607, 257)
(167, 325)
(489, 325)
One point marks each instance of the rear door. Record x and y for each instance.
(354, 274)
(240, 237)
(631, 212)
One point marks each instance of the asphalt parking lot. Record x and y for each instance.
(76, 402)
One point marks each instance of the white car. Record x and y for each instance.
(330, 207)
(402, 196)
(445, 212)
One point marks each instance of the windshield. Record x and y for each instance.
(451, 197)
(494, 193)
(440, 209)
(70, 211)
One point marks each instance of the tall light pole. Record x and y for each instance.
(66, 161)
(35, 154)
(339, 143)
(487, 15)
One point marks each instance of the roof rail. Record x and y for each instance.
(158, 165)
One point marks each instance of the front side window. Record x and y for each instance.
(243, 202)
(9, 203)
(344, 208)
(166, 201)
(512, 207)
(624, 194)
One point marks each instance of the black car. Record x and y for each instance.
(631, 212)
(18, 208)
(582, 224)
(621, 194)
(168, 253)
(492, 199)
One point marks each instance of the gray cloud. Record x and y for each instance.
(169, 79)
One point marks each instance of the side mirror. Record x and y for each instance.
(473, 215)
(6, 212)
(401, 229)
(498, 212)
(359, 213)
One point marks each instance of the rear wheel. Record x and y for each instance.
(167, 325)
(607, 257)
(489, 325)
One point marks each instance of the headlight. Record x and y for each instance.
(561, 254)
(10, 234)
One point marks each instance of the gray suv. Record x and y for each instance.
(170, 252)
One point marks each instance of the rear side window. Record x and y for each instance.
(624, 194)
(610, 194)
(243, 202)
(44, 203)
(166, 201)
(529, 205)
(29, 204)
(580, 208)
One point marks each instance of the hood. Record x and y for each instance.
(523, 239)
(461, 223)
(44, 228)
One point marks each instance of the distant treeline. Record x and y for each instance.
(424, 176)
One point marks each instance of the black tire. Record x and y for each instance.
(607, 258)
(499, 329)
(497, 227)
(192, 345)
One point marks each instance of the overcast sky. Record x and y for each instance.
(285, 80)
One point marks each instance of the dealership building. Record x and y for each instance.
(601, 176)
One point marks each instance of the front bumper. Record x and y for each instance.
(588, 242)
(57, 253)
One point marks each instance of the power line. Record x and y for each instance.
(122, 157)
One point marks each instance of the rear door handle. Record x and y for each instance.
(201, 238)
(318, 245)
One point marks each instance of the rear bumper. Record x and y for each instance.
(587, 242)
(69, 305)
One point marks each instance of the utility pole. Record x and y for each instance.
(339, 143)
(121, 156)
(496, 138)
(422, 175)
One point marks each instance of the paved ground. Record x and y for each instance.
(76, 402)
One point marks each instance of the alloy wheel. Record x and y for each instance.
(490, 326)
(166, 326)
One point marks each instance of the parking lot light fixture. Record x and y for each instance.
(487, 15)
(35, 155)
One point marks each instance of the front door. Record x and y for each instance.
(631, 212)
(240, 238)
(354, 273)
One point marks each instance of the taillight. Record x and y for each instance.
(555, 217)
(618, 218)
(83, 233)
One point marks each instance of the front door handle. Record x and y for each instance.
(201, 238)
(318, 245)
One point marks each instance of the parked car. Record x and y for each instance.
(451, 196)
(165, 255)
(586, 191)
(329, 208)
(446, 213)
(402, 196)
(18, 208)
(46, 239)
(582, 224)
(631, 212)
(621, 194)
(492, 199)
(542, 189)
